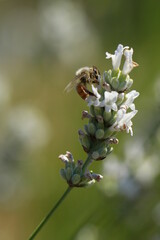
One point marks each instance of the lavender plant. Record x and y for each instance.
(111, 109)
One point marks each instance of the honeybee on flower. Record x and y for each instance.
(84, 76)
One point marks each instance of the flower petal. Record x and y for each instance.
(129, 64)
(116, 57)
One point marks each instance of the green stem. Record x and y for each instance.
(42, 223)
(87, 163)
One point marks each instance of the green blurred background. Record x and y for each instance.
(42, 44)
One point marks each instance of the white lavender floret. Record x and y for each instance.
(116, 58)
(109, 101)
(123, 121)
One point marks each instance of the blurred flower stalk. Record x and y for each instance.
(111, 109)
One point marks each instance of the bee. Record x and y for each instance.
(84, 76)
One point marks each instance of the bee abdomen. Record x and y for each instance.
(82, 91)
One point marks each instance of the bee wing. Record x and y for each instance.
(73, 83)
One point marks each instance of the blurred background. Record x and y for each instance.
(42, 44)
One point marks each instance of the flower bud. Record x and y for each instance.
(63, 173)
(129, 83)
(106, 87)
(107, 76)
(122, 83)
(122, 86)
(115, 73)
(91, 128)
(107, 133)
(95, 155)
(99, 119)
(90, 183)
(113, 140)
(86, 142)
(86, 128)
(76, 179)
(92, 110)
(98, 111)
(81, 133)
(63, 158)
(80, 163)
(102, 153)
(78, 170)
(107, 116)
(68, 173)
(125, 82)
(113, 118)
(88, 175)
(69, 156)
(84, 139)
(115, 83)
(99, 134)
(97, 177)
(85, 114)
(122, 77)
(109, 150)
(120, 99)
(100, 125)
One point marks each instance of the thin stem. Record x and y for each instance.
(42, 223)
(87, 163)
